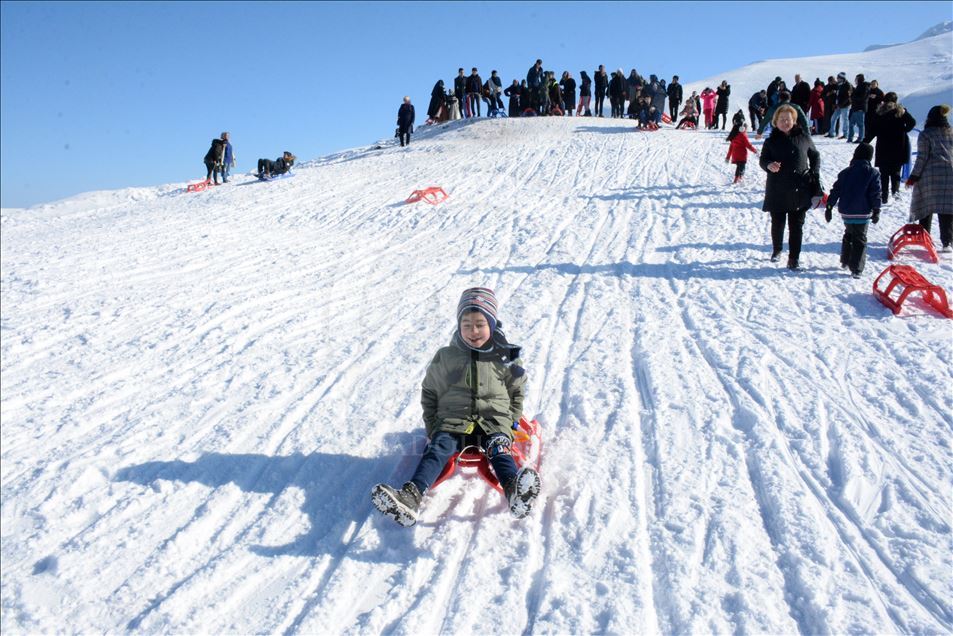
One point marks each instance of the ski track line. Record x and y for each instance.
(829, 504)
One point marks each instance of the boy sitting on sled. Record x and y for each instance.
(472, 393)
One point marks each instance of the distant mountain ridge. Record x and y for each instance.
(936, 29)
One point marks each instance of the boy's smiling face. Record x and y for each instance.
(474, 329)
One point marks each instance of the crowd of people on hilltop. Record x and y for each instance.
(541, 94)
(860, 112)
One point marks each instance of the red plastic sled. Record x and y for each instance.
(432, 195)
(912, 234)
(908, 280)
(527, 444)
(666, 118)
(198, 187)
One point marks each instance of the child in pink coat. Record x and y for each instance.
(738, 150)
(709, 98)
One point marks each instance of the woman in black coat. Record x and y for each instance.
(513, 92)
(436, 100)
(405, 121)
(794, 183)
(721, 106)
(890, 124)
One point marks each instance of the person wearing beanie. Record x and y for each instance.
(472, 395)
(889, 125)
(842, 96)
(932, 176)
(856, 193)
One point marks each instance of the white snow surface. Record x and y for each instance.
(200, 390)
(920, 72)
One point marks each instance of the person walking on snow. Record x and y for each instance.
(793, 181)
(405, 121)
(889, 125)
(738, 150)
(932, 175)
(757, 107)
(857, 196)
(472, 394)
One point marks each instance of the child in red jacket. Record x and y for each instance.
(738, 150)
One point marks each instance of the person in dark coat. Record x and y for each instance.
(585, 94)
(793, 184)
(772, 91)
(602, 85)
(617, 93)
(268, 168)
(932, 175)
(858, 108)
(874, 99)
(215, 159)
(857, 196)
(889, 125)
(721, 106)
(801, 93)
(757, 107)
(460, 91)
(436, 100)
(534, 81)
(674, 98)
(526, 99)
(568, 86)
(405, 121)
(474, 90)
(513, 93)
(841, 108)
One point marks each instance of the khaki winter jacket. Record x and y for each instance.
(469, 392)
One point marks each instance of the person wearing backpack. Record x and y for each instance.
(214, 159)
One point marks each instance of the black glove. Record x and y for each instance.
(829, 213)
(875, 217)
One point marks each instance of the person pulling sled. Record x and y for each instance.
(472, 394)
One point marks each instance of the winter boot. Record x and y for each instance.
(775, 256)
(521, 492)
(400, 505)
(793, 265)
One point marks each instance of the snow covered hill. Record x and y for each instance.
(920, 72)
(199, 390)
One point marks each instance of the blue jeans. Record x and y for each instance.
(856, 119)
(442, 445)
(226, 168)
(840, 115)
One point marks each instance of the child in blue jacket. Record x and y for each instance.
(857, 196)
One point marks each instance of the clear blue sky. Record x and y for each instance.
(99, 95)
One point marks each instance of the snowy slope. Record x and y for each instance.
(199, 390)
(920, 72)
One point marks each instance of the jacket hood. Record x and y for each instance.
(498, 347)
(893, 108)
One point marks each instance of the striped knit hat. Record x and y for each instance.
(481, 299)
